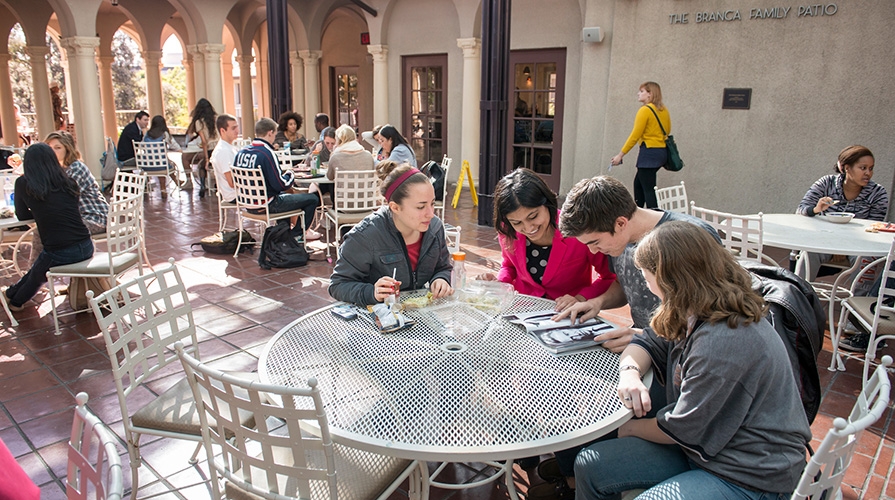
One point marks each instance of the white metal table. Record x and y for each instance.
(460, 385)
(815, 234)
(7, 266)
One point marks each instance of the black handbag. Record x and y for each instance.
(674, 162)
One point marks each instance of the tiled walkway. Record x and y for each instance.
(238, 307)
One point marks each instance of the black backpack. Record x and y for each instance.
(225, 243)
(436, 176)
(798, 316)
(280, 249)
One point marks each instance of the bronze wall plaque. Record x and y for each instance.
(736, 99)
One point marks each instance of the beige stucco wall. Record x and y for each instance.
(341, 47)
(818, 84)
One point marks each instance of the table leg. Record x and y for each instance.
(504, 469)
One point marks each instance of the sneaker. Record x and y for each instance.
(855, 343)
(311, 235)
(15, 308)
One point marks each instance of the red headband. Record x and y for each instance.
(400, 180)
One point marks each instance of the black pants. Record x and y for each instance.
(645, 188)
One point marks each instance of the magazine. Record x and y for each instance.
(561, 336)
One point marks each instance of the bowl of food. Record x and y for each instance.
(839, 217)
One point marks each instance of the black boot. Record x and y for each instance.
(201, 187)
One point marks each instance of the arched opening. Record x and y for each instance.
(128, 77)
(174, 91)
(22, 82)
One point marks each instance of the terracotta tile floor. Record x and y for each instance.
(238, 307)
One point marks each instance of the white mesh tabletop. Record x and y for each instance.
(460, 385)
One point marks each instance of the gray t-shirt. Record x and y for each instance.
(734, 405)
(640, 299)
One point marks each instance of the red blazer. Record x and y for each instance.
(571, 269)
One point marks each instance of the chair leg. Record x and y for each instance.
(239, 238)
(53, 302)
(12, 320)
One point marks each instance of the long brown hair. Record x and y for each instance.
(697, 277)
(68, 142)
(655, 92)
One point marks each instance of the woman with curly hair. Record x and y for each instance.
(734, 426)
(287, 132)
(202, 128)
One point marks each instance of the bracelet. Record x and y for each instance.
(630, 367)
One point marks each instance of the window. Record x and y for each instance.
(535, 119)
(425, 120)
(344, 96)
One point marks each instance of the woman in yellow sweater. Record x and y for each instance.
(653, 154)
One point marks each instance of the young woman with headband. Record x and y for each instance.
(403, 239)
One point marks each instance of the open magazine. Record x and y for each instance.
(561, 336)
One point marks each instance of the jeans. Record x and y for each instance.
(285, 202)
(606, 469)
(27, 287)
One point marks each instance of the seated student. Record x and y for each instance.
(323, 147)
(50, 197)
(287, 132)
(601, 213)
(371, 137)
(93, 206)
(395, 147)
(347, 155)
(223, 155)
(403, 239)
(260, 154)
(158, 132)
(537, 259)
(734, 426)
(131, 132)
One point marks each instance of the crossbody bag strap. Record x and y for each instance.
(658, 120)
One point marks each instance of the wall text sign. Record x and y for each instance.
(755, 14)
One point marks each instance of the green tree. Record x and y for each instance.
(127, 68)
(174, 94)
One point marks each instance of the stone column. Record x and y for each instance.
(198, 79)
(107, 95)
(246, 97)
(7, 110)
(472, 94)
(312, 84)
(298, 89)
(69, 99)
(84, 86)
(227, 85)
(43, 103)
(189, 76)
(214, 88)
(380, 83)
(152, 60)
(262, 84)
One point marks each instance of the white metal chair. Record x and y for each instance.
(128, 184)
(355, 196)
(451, 232)
(872, 313)
(740, 234)
(94, 467)
(673, 199)
(141, 320)
(251, 194)
(152, 159)
(822, 477)
(277, 459)
(123, 253)
(284, 158)
(223, 208)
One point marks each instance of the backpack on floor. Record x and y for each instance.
(279, 248)
(798, 316)
(225, 243)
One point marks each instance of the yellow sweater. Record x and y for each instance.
(646, 128)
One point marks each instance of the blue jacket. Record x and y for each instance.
(260, 154)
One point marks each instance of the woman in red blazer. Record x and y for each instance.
(537, 259)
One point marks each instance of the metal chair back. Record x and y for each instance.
(94, 467)
(275, 459)
(673, 199)
(740, 234)
(822, 477)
